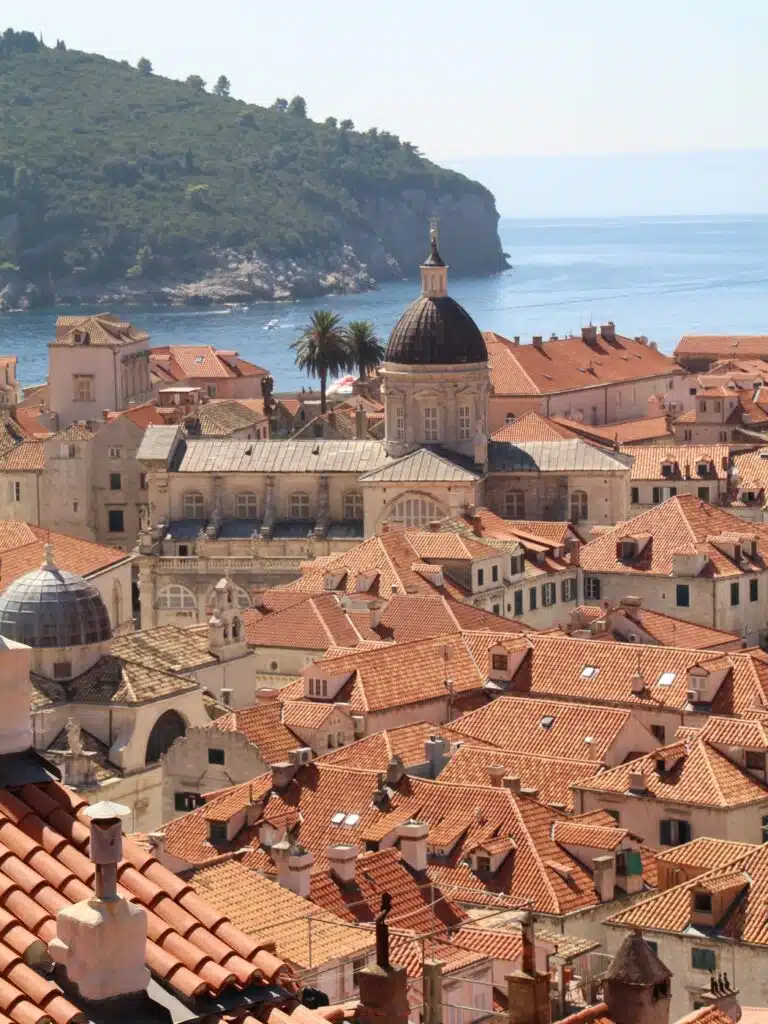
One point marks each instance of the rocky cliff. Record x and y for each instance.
(150, 189)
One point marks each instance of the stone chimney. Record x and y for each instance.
(637, 782)
(15, 697)
(282, 774)
(395, 771)
(538, 341)
(512, 783)
(636, 986)
(528, 989)
(436, 755)
(589, 333)
(342, 861)
(293, 863)
(361, 424)
(413, 844)
(608, 331)
(496, 773)
(604, 877)
(101, 941)
(376, 609)
(721, 995)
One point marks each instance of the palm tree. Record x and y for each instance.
(322, 349)
(365, 349)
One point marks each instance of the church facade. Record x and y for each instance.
(254, 510)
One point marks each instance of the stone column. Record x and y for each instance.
(383, 995)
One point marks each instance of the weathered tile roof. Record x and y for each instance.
(723, 346)
(699, 775)
(647, 428)
(262, 725)
(672, 632)
(319, 456)
(523, 725)
(315, 624)
(74, 432)
(193, 361)
(599, 837)
(193, 949)
(300, 714)
(681, 525)
(374, 752)
(670, 910)
(752, 467)
(318, 791)
(685, 458)
(569, 364)
(112, 680)
(551, 777)
(101, 329)
(532, 426)
(705, 852)
(423, 466)
(574, 456)
(223, 417)
(22, 547)
(307, 936)
(169, 648)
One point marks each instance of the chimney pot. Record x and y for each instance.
(608, 331)
(538, 341)
(496, 774)
(637, 782)
(342, 860)
(512, 783)
(413, 844)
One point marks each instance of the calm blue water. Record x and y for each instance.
(662, 277)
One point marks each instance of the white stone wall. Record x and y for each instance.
(120, 376)
(27, 507)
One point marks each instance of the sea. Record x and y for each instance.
(658, 276)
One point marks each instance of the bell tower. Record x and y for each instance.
(434, 272)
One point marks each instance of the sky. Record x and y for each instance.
(471, 84)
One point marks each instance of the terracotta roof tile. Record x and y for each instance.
(698, 774)
(567, 364)
(22, 546)
(191, 362)
(262, 725)
(531, 426)
(223, 418)
(647, 428)
(663, 629)
(685, 459)
(28, 456)
(723, 346)
(680, 525)
(192, 949)
(374, 752)
(705, 852)
(546, 728)
(102, 329)
(169, 648)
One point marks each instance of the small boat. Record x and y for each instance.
(342, 386)
(273, 323)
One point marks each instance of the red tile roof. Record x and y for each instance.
(568, 364)
(262, 725)
(685, 460)
(192, 948)
(101, 329)
(374, 752)
(647, 428)
(22, 547)
(681, 525)
(663, 629)
(699, 775)
(523, 725)
(532, 426)
(723, 346)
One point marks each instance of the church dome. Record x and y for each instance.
(436, 330)
(51, 607)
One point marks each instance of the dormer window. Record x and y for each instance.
(217, 832)
(703, 468)
(667, 468)
(627, 549)
(499, 662)
(483, 864)
(702, 902)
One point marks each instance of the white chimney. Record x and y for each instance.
(604, 877)
(342, 860)
(413, 844)
(376, 608)
(15, 697)
(102, 940)
(637, 782)
(294, 865)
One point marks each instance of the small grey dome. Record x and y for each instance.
(436, 331)
(51, 607)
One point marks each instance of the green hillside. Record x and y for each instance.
(107, 171)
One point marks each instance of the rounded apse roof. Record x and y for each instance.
(51, 607)
(436, 331)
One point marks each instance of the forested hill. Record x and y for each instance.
(112, 177)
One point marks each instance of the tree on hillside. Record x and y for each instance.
(322, 349)
(280, 105)
(331, 122)
(223, 85)
(144, 65)
(346, 125)
(196, 82)
(298, 106)
(365, 350)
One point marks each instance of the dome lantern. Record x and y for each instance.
(434, 272)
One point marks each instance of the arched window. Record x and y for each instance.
(169, 726)
(246, 505)
(353, 505)
(514, 505)
(579, 506)
(194, 506)
(239, 598)
(298, 506)
(117, 605)
(415, 512)
(176, 597)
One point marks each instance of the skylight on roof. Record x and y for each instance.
(351, 819)
(338, 817)
(547, 721)
(199, 359)
(666, 679)
(589, 672)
